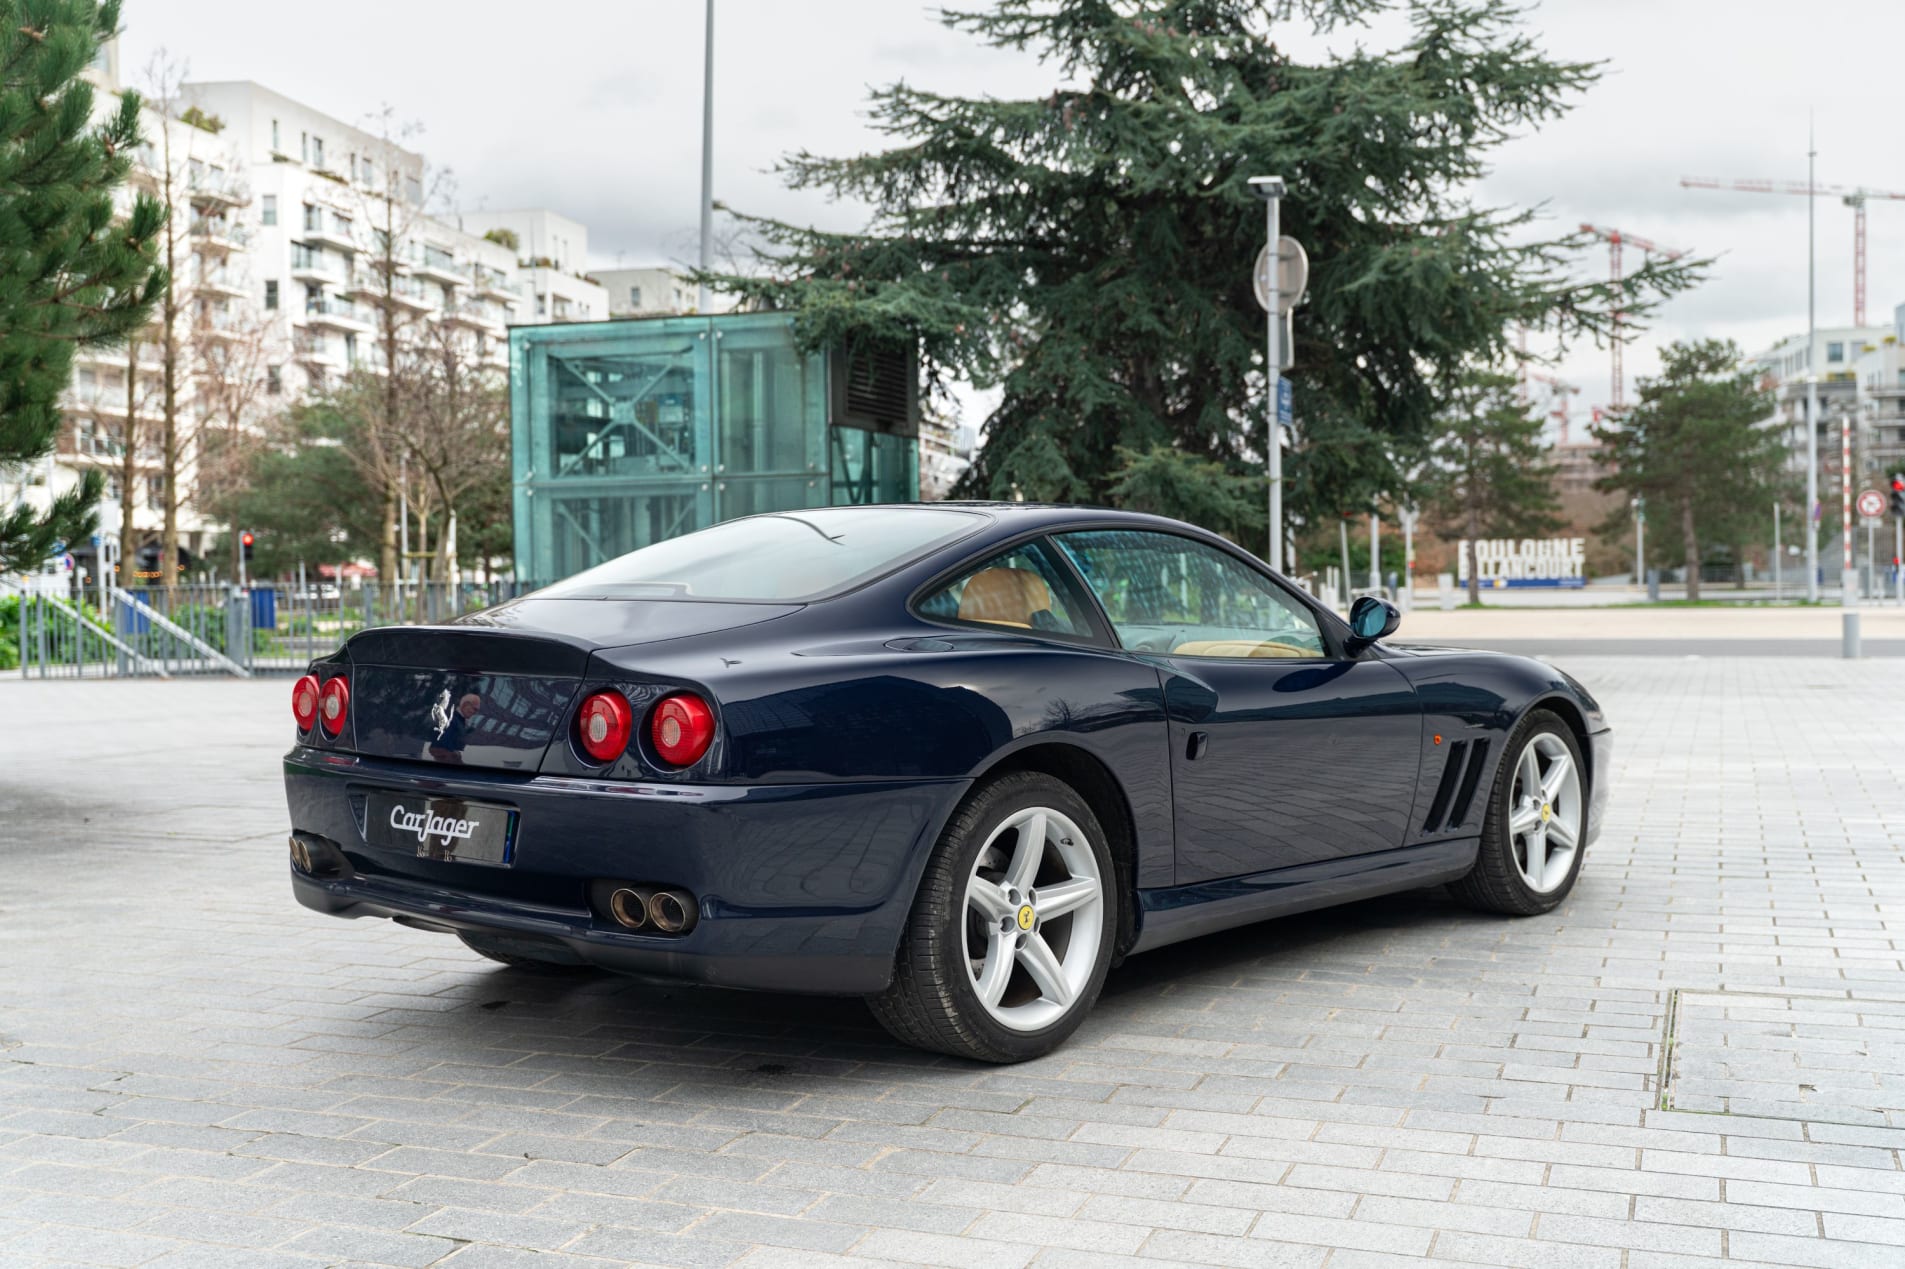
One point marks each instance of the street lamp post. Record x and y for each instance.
(1271, 189)
(707, 160)
(1812, 380)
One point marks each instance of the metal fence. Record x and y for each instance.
(219, 629)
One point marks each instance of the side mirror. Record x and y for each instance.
(1371, 619)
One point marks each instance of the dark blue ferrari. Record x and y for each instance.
(960, 759)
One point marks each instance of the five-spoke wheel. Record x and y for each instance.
(1034, 907)
(1545, 821)
(1532, 835)
(1011, 934)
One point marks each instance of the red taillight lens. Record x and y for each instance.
(682, 728)
(603, 726)
(304, 702)
(334, 705)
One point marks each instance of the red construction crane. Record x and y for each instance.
(1853, 197)
(1561, 390)
(1615, 240)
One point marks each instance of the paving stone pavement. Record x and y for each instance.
(195, 1071)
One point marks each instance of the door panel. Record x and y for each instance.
(1284, 750)
(1297, 763)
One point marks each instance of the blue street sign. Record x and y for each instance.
(1286, 401)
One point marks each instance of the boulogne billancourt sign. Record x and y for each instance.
(1524, 561)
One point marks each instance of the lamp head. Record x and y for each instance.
(1267, 187)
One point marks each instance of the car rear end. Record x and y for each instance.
(570, 802)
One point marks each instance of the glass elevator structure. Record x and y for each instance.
(627, 432)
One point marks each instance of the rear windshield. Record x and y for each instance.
(789, 555)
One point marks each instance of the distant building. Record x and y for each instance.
(552, 253)
(285, 214)
(1861, 376)
(651, 292)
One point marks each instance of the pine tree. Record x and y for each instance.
(1694, 447)
(1089, 251)
(72, 273)
(1488, 474)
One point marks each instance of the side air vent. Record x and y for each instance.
(1445, 788)
(1477, 759)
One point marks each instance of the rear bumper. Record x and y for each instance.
(798, 887)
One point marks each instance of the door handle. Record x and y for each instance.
(1197, 746)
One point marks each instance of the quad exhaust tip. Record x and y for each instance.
(300, 855)
(657, 911)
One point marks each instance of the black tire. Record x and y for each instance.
(931, 1003)
(1495, 883)
(534, 957)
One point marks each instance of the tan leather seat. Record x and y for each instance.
(1002, 596)
(1240, 648)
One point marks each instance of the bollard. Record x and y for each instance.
(1653, 585)
(1849, 648)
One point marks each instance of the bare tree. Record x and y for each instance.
(455, 408)
(193, 316)
(392, 193)
(232, 393)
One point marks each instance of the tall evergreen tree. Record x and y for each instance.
(1089, 250)
(1694, 448)
(72, 273)
(1488, 474)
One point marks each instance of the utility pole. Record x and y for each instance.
(707, 159)
(1812, 377)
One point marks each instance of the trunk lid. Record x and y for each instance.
(460, 697)
(496, 688)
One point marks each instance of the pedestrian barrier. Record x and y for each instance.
(205, 628)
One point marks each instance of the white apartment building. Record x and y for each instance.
(1858, 376)
(280, 244)
(552, 253)
(319, 213)
(110, 385)
(649, 292)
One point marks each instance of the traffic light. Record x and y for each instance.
(245, 542)
(1898, 494)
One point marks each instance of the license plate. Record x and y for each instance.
(441, 828)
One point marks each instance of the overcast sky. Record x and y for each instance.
(592, 108)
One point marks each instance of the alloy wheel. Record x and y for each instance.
(1033, 919)
(1544, 820)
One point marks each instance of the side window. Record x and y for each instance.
(1177, 596)
(1023, 589)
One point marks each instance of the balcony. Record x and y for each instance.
(216, 234)
(220, 324)
(337, 314)
(223, 283)
(215, 187)
(308, 264)
(493, 285)
(368, 285)
(441, 266)
(315, 350)
(477, 316)
(328, 229)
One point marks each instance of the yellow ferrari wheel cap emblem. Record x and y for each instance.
(1026, 917)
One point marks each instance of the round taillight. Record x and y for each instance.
(304, 702)
(603, 726)
(682, 728)
(334, 705)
